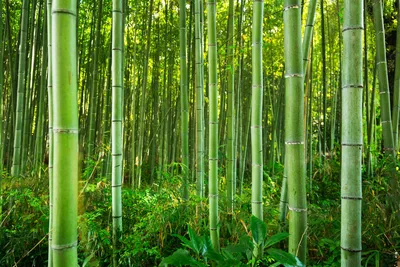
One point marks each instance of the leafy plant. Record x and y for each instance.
(240, 254)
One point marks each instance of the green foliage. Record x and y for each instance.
(234, 254)
(158, 222)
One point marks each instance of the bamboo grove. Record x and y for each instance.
(243, 111)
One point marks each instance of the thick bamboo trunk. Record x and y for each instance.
(294, 130)
(352, 138)
(65, 131)
(116, 122)
(256, 115)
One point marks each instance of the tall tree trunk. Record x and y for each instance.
(308, 33)
(352, 138)
(184, 100)
(386, 120)
(294, 130)
(116, 122)
(396, 94)
(199, 102)
(143, 100)
(65, 130)
(16, 165)
(324, 85)
(230, 139)
(213, 123)
(2, 48)
(50, 140)
(256, 115)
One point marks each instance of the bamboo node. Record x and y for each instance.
(65, 131)
(212, 195)
(351, 198)
(256, 202)
(290, 7)
(117, 185)
(351, 250)
(116, 217)
(357, 86)
(294, 75)
(386, 122)
(353, 28)
(294, 143)
(297, 209)
(256, 165)
(63, 11)
(212, 159)
(383, 92)
(344, 144)
(64, 247)
(381, 62)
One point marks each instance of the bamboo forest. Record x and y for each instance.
(199, 133)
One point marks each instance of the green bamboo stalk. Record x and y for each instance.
(352, 138)
(309, 28)
(256, 115)
(16, 162)
(324, 83)
(199, 102)
(371, 124)
(116, 122)
(383, 78)
(307, 39)
(50, 133)
(184, 100)
(230, 117)
(93, 90)
(396, 94)
(2, 48)
(65, 131)
(386, 120)
(213, 122)
(294, 130)
(143, 100)
(40, 119)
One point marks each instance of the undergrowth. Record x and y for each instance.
(155, 216)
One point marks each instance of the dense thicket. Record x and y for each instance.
(192, 117)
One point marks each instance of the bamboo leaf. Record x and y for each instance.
(185, 241)
(179, 258)
(196, 241)
(258, 229)
(283, 257)
(275, 239)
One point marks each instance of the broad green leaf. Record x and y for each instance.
(283, 257)
(258, 229)
(207, 245)
(185, 242)
(86, 261)
(179, 258)
(212, 255)
(239, 248)
(196, 241)
(275, 239)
